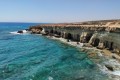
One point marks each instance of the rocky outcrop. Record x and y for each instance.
(109, 67)
(20, 32)
(101, 34)
(35, 29)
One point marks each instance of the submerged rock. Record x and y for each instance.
(93, 55)
(109, 67)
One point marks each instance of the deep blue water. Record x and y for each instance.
(35, 57)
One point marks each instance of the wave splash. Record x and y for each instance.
(17, 32)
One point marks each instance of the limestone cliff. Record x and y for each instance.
(100, 34)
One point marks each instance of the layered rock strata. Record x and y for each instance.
(101, 34)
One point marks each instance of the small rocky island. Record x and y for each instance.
(98, 36)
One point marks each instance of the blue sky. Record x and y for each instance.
(58, 10)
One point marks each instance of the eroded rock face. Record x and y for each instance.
(83, 37)
(95, 42)
(35, 30)
(100, 34)
(101, 45)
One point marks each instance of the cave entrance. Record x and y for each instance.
(111, 46)
(51, 31)
(78, 38)
(55, 32)
(69, 36)
(96, 42)
(59, 33)
(88, 37)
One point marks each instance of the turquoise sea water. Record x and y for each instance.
(35, 57)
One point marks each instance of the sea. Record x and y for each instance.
(35, 57)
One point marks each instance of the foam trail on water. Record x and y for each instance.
(15, 32)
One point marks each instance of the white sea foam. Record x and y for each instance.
(50, 78)
(116, 73)
(24, 31)
(16, 32)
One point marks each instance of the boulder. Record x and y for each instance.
(109, 67)
(116, 51)
(20, 32)
(56, 35)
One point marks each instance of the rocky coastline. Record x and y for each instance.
(99, 39)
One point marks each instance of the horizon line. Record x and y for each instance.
(58, 22)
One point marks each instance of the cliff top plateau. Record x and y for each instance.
(100, 23)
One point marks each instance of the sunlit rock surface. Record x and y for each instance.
(101, 34)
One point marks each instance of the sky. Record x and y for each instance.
(57, 11)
